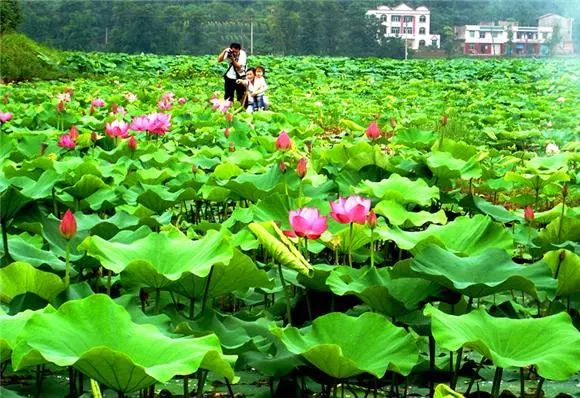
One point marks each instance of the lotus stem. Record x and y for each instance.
(72, 382)
(350, 246)
(522, 383)
(95, 389)
(157, 300)
(496, 387)
(431, 365)
(206, 291)
(67, 265)
(7, 258)
(201, 376)
(372, 248)
(561, 225)
(109, 280)
(286, 295)
(473, 377)
(229, 386)
(457, 369)
(539, 388)
(186, 386)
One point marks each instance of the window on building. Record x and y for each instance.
(495, 35)
(396, 18)
(395, 30)
(408, 31)
(421, 31)
(383, 18)
(408, 19)
(422, 43)
(520, 35)
(433, 43)
(482, 35)
(471, 47)
(472, 33)
(422, 18)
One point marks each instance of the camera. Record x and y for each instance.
(229, 53)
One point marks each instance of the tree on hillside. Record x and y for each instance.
(10, 15)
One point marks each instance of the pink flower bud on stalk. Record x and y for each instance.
(283, 141)
(68, 226)
(444, 120)
(372, 219)
(529, 214)
(232, 147)
(301, 167)
(182, 100)
(60, 107)
(73, 132)
(132, 144)
(229, 117)
(194, 168)
(373, 131)
(282, 166)
(227, 132)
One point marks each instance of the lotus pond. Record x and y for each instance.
(386, 229)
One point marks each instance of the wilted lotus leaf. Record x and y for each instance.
(552, 343)
(343, 346)
(97, 337)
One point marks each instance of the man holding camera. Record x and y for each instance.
(236, 70)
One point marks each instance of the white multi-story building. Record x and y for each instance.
(564, 27)
(407, 23)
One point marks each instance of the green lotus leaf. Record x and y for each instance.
(552, 343)
(281, 248)
(245, 158)
(401, 190)
(414, 138)
(356, 156)
(39, 188)
(397, 214)
(490, 272)
(537, 180)
(20, 278)
(23, 250)
(376, 288)
(157, 198)
(255, 186)
(446, 166)
(498, 213)
(11, 326)
(239, 273)
(464, 235)
(565, 265)
(444, 391)
(561, 230)
(11, 201)
(275, 364)
(98, 338)
(85, 187)
(333, 344)
(160, 258)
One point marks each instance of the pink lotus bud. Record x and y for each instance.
(372, 219)
(227, 132)
(68, 225)
(529, 214)
(182, 100)
(98, 103)
(354, 209)
(373, 131)
(60, 107)
(73, 132)
(132, 144)
(232, 147)
(301, 167)
(306, 223)
(283, 141)
(229, 117)
(444, 120)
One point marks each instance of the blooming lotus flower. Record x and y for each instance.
(132, 143)
(130, 97)
(164, 105)
(140, 123)
(306, 223)
(354, 209)
(68, 225)
(66, 141)
(159, 123)
(117, 128)
(182, 100)
(167, 97)
(221, 104)
(63, 97)
(117, 109)
(373, 131)
(301, 167)
(98, 103)
(5, 116)
(283, 141)
(552, 149)
(529, 214)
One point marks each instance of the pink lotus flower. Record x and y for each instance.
(5, 116)
(283, 141)
(354, 209)
(63, 97)
(373, 131)
(221, 104)
(66, 141)
(306, 223)
(167, 97)
(182, 100)
(140, 123)
(164, 105)
(132, 144)
(98, 103)
(159, 123)
(68, 226)
(117, 128)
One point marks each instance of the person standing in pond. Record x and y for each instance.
(260, 88)
(236, 71)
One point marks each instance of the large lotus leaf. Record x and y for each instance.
(400, 189)
(567, 265)
(38, 188)
(356, 156)
(160, 258)
(85, 187)
(25, 251)
(498, 213)
(343, 346)
(397, 214)
(20, 278)
(255, 186)
(464, 235)
(11, 201)
(552, 343)
(239, 274)
(445, 166)
(158, 198)
(538, 180)
(245, 158)
(280, 247)
(97, 337)
(414, 138)
(375, 287)
(444, 391)
(490, 272)
(562, 230)
(11, 326)
(275, 364)
(103, 199)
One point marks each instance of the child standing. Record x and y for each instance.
(259, 88)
